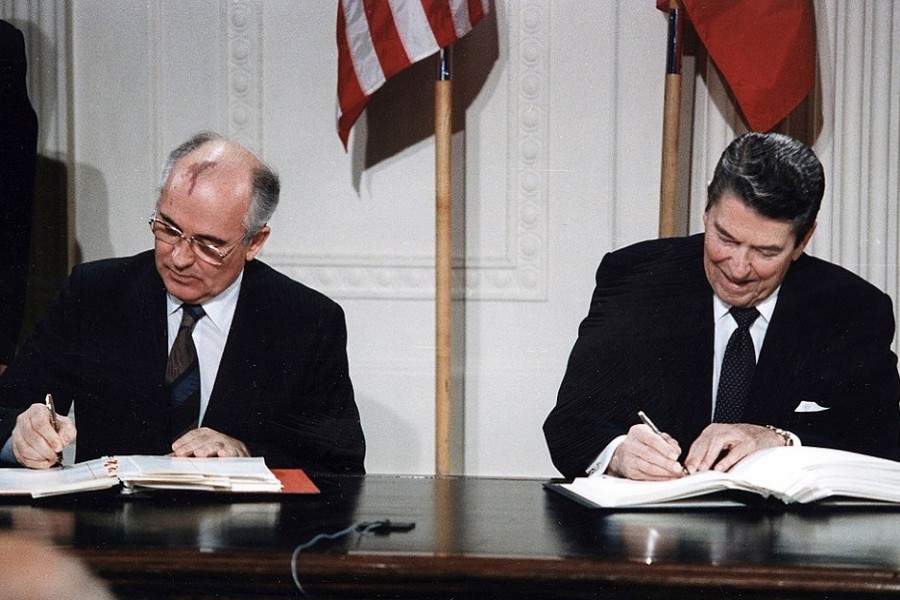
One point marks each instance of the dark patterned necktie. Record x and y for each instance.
(183, 374)
(737, 368)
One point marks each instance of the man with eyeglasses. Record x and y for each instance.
(125, 334)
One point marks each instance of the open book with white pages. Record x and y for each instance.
(95, 474)
(240, 474)
(134, 473)
(791, 475)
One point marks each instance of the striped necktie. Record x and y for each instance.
(183, 374)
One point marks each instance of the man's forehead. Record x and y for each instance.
(215, 158)
(228, 181)
(194, 170)
(732, 210)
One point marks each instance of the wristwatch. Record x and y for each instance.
(789, 438)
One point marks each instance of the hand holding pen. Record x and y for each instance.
(40, 435)
(646, 453)
(646, 420)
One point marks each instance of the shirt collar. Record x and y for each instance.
(765, 308)
(219, 310)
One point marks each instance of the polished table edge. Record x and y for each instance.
(161, 571)
(261, 570)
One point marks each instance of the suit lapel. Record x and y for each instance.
(245, 364)
(694, 344)
(680, 340)
(145, 324)
(773, 370)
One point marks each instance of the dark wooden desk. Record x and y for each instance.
(474, 537)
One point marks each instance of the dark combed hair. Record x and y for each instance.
(777, 176)
(266, 184)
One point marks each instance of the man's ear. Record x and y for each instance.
(801, 246)
(257, 242)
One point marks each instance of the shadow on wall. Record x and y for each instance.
(401, 113)
(49, 259)
(49, 254)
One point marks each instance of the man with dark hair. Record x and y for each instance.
(194, 348)
(732, 340)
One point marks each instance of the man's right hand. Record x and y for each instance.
(34, 441)
(645, 455)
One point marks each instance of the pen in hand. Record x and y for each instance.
(656, 430)
(48, 401)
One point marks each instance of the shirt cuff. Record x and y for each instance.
(6, 454)
(598, 467)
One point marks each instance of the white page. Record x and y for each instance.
(792, 474)
(91, 475)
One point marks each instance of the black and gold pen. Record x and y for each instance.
(652, 425)
(54, 420)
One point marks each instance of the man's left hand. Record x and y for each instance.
(204, 442)
(722, 445)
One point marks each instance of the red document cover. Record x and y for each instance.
(295, 481)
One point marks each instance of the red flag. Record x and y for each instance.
(764, 49)
(377, 39)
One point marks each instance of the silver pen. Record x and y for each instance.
(54, 420)
(656, 430)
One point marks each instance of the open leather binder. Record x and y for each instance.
(138, 473)
(788, 475)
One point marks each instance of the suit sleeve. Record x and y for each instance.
(319, 427)
(46, 362)
(595, 399)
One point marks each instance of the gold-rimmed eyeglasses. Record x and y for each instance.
(168, 233)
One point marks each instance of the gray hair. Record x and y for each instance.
(266, 185)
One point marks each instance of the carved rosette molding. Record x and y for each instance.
(520, 273)
(244, 22)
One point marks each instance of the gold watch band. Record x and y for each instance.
(786, 436)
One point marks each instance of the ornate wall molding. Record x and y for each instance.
(245, 82)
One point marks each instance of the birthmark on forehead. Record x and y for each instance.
(195, 170)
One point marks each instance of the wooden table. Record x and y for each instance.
(473, 538)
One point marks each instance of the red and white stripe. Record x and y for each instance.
(377, 39)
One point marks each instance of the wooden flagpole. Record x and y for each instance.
(443, 108)
(671, 123)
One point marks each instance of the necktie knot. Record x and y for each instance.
(744, 316)
(190, 314)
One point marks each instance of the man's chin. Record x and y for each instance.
(183, 291)
(738, 298)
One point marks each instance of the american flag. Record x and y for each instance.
(377, 39)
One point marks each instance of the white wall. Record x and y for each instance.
(556, 162)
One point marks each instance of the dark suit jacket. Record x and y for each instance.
(18, 159)
(283, 386)
(647, 344)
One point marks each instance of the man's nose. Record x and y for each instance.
(741, 266)
(182, 253)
